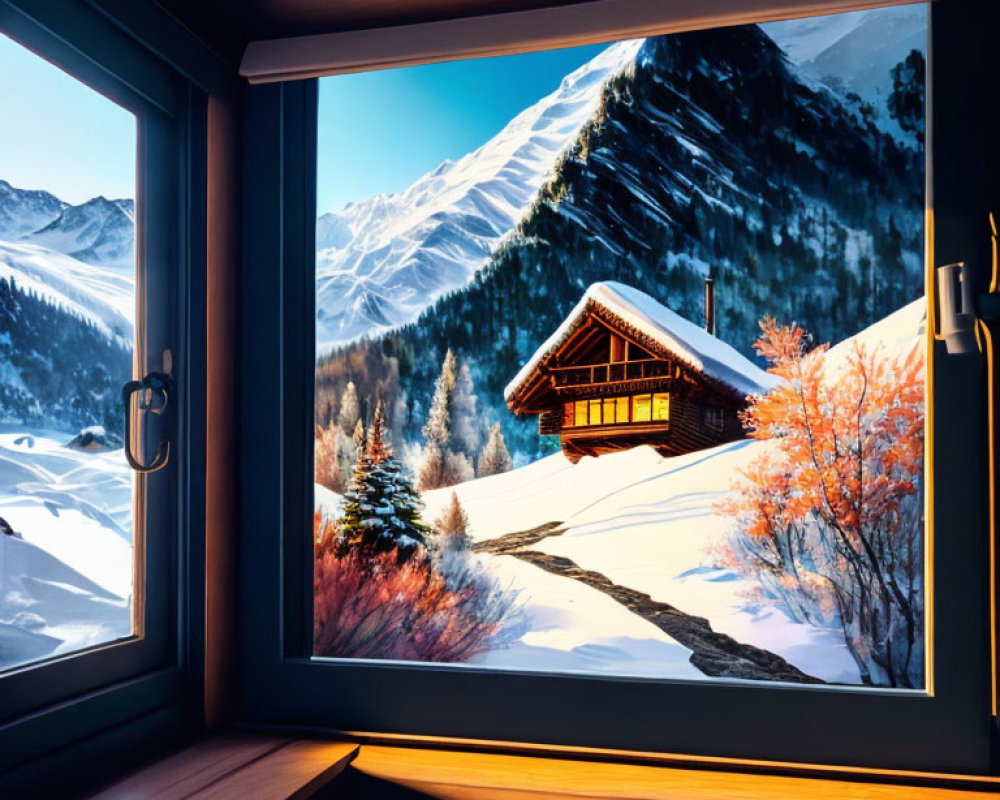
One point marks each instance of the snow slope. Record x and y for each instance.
(381, 261)
(104, 296)
(67, 583)
(645, 522)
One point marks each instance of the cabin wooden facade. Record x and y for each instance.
(624, 371)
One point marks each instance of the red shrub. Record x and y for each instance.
(370, 604)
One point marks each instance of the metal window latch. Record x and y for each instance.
(958, 312)
(152, 394)
(963, 318)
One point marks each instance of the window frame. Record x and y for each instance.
(140, 686)
(946, 729)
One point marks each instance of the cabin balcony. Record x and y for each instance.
(610, 373)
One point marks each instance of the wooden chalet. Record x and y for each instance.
(623, 370)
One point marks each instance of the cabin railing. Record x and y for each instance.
(611, 372)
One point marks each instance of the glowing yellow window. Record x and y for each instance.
(609, 411)
(621, 410)
(641, 408)
(567, 415)
(661, 407)
(595, 412)
(581, 413)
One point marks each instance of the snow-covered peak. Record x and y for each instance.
(25, 210)
(856, 51)
(692, 344)
(381, 261)
(100, 231)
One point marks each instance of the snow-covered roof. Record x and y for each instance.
(690, 343)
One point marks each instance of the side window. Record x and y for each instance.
(67, 332)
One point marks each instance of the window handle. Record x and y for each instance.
(153, 394)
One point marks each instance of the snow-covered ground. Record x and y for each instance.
(645, 522)
(67, 584)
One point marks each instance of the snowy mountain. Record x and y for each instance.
(856, 51)
(67, 304)
(381, 261)
(23, 211)
(713, 156)
(100, 231)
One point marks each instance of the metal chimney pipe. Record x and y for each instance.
(710, 306)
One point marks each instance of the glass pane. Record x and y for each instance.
(67, 306)
(661, 407)
(641, 408)
(609, 411)
(621, 413)
(595, 412)
(568, 415)
(490, 229)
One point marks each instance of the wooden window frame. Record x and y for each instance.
(947, 728)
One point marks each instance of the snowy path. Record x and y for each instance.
(715, 654)
(647, 523)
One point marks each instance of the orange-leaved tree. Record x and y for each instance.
(831, 518)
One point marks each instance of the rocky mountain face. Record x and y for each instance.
(381, 261)
(100, 231)
(853, 53)
(709, 154)
(23, 211)
(66, 308)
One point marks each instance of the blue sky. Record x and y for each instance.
(380, 131)
(58, 134)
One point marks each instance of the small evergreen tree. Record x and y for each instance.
(453, 526)
(350, 409)
(906, 101)
(465, 430)
(495, 458)
(381, 509)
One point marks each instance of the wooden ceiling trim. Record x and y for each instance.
(313, 56)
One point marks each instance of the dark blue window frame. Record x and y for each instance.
(947, 729)
(70, 713)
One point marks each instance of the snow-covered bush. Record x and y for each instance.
(370, 604)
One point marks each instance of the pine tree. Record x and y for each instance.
(439, 419)
(495, 458)
(453, 526)
(465, 436)
(350, 410)
(381, 509)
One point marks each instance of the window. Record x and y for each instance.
(568, 415)
(661, 407)
(641, 408)
(714, 417)
(67, 242)
(437, 385)
(609, 411)
(595, 412)
(643, 703)
(94, 281)
(621, 409)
